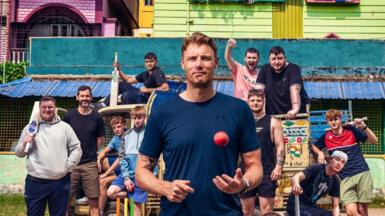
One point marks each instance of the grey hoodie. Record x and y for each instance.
(55, 151)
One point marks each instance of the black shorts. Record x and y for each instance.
(265, 189)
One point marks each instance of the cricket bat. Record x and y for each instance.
(33, 125)
(114, 83)
(349, 123)
(296, 204)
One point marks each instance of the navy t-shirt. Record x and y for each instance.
(347, 142)
(153, 80)
(316, 185)
(87, 128)
(277, 88)
(183, 131)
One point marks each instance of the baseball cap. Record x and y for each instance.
(341, 155)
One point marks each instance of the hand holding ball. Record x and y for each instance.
(221, 139)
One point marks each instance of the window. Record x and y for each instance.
(3, 21)
(148, 2)
(66, 30)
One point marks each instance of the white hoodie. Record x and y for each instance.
(55, 151)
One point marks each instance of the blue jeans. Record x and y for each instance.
(39, 192)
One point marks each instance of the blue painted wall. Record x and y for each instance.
(95, 55)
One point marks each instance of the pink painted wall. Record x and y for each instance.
(87, 8)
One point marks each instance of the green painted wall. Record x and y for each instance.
(95, 55)
(12, 173)
(377, 169)
(363, 21)
(177, 18)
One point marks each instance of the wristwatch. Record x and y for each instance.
(246, 185)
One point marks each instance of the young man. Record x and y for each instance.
(89, 127)
(153, 79)
(315, 182)
(110, 171)
(270, 135)
(55, 151)
(201, 177)
(244, 76)
(283, 85)
(128, 155)
(356, 181)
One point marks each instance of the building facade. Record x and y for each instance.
(4, 14)
(270, 18)
(66, 18)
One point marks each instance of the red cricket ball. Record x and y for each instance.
(221, 139)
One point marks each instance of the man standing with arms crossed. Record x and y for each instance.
(89, 127)
(356, 181)
(201, 178)
(55, 151)
(244, 76)
(270, 136)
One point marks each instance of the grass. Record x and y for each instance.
(13, 204)
(377, 202)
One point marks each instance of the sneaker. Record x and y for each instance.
(97, 106)
(82, 201)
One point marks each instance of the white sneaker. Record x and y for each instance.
(82, 201)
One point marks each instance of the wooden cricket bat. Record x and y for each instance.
(114, 83)
(33, 125)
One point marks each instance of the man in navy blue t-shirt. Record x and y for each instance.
(153, 79)
(315, 182)
(201, 177)
(356, 181)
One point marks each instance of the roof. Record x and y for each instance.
(67, 88)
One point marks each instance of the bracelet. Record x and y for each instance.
(246, 185)
(364, 128)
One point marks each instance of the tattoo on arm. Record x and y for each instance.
(148, 162)
(280, 158)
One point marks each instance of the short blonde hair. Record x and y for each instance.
(138, 111)
(117, 120)
(333, 113)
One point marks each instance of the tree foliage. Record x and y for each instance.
(13, 71)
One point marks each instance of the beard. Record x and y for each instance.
(251, 67)
(82, 103)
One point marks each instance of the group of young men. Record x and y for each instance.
(201, 178)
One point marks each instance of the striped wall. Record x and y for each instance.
(363, 21)
(178, 18)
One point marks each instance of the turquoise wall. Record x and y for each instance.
(95, 55)
(377, 169)
(12, 173)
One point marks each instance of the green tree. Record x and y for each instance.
(13, 71)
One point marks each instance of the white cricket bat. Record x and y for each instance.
(33, 125)
(296, 204)
(114, 83)
(349, 123)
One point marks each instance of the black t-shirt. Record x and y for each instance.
(153, 80)
(277, 88)
(87, 128)
(316, 185)
(267, 146)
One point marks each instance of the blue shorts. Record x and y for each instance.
(138, 195)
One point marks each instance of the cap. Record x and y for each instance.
(341, 155)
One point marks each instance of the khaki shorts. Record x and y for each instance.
(88, 175)
(357, 188)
